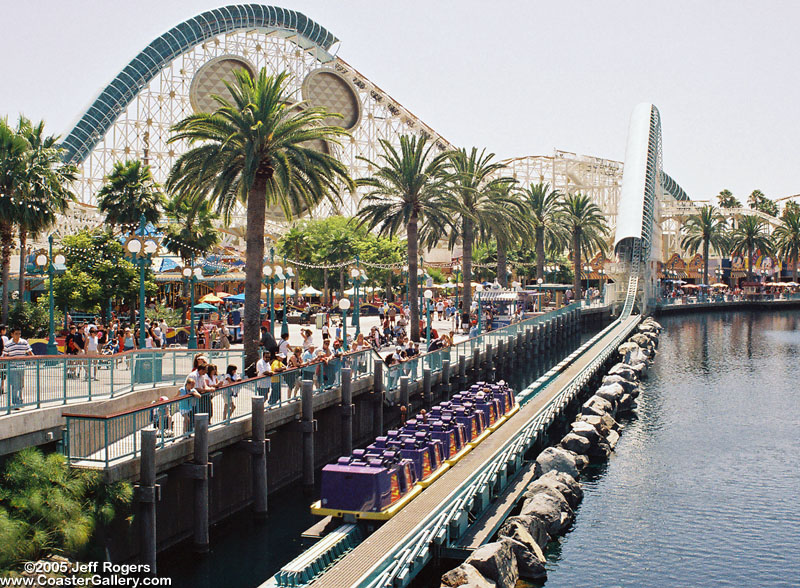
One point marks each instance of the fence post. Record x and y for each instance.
(404, 396)
(462, 370)
(147, 493)
(377, 399)
(309, 425)
(348, 409)
(201, 540)
(489, 358)
(259, 459)
(426, 388)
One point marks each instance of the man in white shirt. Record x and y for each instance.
(16, 347)
(262, 369)
(92, 349)
(163, 328)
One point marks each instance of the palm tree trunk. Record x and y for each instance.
(341, 282)
(794, 267)
(749, 264)
(576, 257)
(325, 299)
(540, 253)
(23, 245)
(705, 262)
(413, 251)
(466, 264)
(502, 269)
(256, 209)
(6, 238)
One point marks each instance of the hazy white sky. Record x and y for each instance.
(517, 77)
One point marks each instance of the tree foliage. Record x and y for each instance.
(726, 199)
(48, 508)
(190, 227)
(757, 201)
(130, 192)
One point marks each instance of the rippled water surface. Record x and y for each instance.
(704, 487)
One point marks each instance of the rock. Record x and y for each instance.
(587, 430)
(601, 450)
(609, 424)
(530, 559)
(496, 562)
(553, 492)
(548, 509)
(642, 341)
(628, 350)
(576, 443)
(612, 439)
(624, 370)
(627, 385)
(560, 460)
(559, 482)
(652, 322)
(533, 526)
(466, 575)
(598, 406)
(611, 392)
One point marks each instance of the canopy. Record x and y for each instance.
(719, 285)
(289, 291)
(310, 291)
(236, 298)
(691, 286)
(204, 306)
(448, 285)
(211, 299)
(224, 294)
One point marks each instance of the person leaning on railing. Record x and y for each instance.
(16, 347)
(188, 404)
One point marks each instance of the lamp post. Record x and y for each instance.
(602, 273)
(405, 277)
(357, 277)
(289, 274)
(586, 270)
(428, 296)
(272, 275)
(43, 260)
(478, 290)
(142, 249)
(344, 304)
(539, 281)
(190, 274)
(457, 272)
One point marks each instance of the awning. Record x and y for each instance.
(498, 295)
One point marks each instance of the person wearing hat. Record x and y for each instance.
(310, 366)
(276, 366)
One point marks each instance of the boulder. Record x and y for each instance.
(563, 503)
(627, 385)
(598, 406)
(587, 430)
(466, 575)
(496, 562)
(530, 559)
(529, 525)
(576, 443)
(560, 460)
(628, 350)
(559, 482)
(611, 392)
(652, 322)
(612, 439)
(548, 509)
(624, 370)
(601, 450)
(642, 341)
(596, 422)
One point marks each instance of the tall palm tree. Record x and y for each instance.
(46, 187)
(751, 234)
(339, 249)
(190, 227)
(584, 222)
(542, 205)
(402, 195)
(475, 201)
(254, 150)
(507, 229)
(787, 239)
(13, 154)
(706, 229)
(130, 192)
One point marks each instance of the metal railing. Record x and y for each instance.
(722, 299)
(31, 382)
(107, 439)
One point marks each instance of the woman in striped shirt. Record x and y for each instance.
(16, 347)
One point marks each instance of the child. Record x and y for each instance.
(188, 405)
(229, 392)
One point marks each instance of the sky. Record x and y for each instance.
(517, 77)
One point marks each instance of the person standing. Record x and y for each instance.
(262, 370)
(284, 348)
(92, 350)
(16, 347)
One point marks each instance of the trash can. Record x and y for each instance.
(147, 369)
(320, 318)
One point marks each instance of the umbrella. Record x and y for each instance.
(310, 291)
(719, 285)
(691, 286)
(678, 282)
(792, 284)
(211, 299)
(224, 294)
(289, 292)
(236, 298)
(204, 306)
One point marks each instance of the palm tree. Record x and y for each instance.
(339, 249)
(475, 201)
(403, 195)
(787, 238)
(706, 229)
(542, 204)
(129, 193)
(507, 229)
(45, 188)
(191, 227)
(254, 150)
(584, 222)
(751, 234)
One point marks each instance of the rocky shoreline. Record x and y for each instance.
(549, 502)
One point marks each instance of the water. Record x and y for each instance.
(704, 487)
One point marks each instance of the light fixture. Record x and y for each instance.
(405, 268)
(198, 273)
(187, 271)
(354, 273)
(428, 294)
(134, 246)
(289, 272)
(479, 288)
(150, 247)
(344, 304)
(267, 270)
(60, 259)
(41, 259)
(540, 281)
